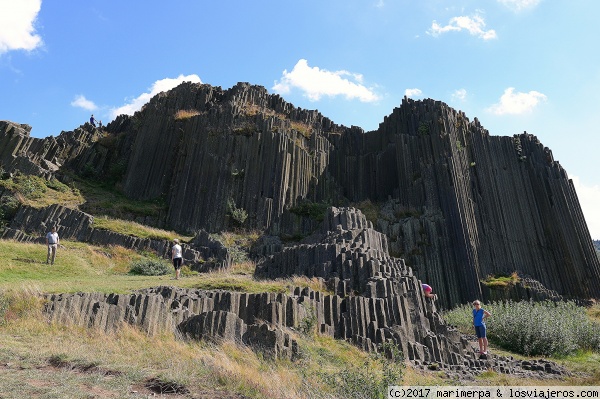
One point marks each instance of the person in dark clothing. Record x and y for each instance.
(92, 120)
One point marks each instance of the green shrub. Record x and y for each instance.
(117, 170)
(423, 128)
(534, 328)
(150, 267)
(239, 215)
(8, 206)
(363, 381)
(308, 325)
(57, 185)
(312, 210)
(32, 187)
(501, 282)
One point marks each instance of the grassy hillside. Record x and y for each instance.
(44, 360)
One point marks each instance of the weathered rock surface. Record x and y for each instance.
(455, 202)
(391, 307)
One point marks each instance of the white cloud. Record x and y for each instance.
(516, 103)
(82, 102)
(459, 94)
(474, 25)
(589, 199)
(412, 92)
(519, 5)
(159, 86)
(316, 83)
(17, 20)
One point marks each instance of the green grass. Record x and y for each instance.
(136, 229)
(36, 192)
(42, 360)
(54, 361)
(88, 268)
(501, 282)
(100, 199)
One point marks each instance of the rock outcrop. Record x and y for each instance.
(455, 202)
(390, 307)
(31, 225)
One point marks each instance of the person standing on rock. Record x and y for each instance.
(92, 120)
(52, 242)
(479, 316)
(177, 258)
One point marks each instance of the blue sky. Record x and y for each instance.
(516, 65)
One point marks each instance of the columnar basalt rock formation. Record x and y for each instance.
(456, 203)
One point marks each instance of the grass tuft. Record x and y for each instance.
(186, 114)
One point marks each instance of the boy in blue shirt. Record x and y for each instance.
(479, 315)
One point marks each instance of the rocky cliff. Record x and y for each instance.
(386, 306)
(455, 202)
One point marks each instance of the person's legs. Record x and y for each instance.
(53, 253)
(480, 332)
(484, 337)
(177, 265)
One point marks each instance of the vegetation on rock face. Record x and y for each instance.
(369, 209)
(309, 209)
(238, 215)
(501, 282)
(105, 200)
(39, 192)
(132, 228)
(186, 114)
(534, 328)
(237, 243)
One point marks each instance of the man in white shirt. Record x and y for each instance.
(177, 258)
(52, 242)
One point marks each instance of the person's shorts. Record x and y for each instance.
(177, 263)
(480, 331)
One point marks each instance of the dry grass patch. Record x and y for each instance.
(186, 114)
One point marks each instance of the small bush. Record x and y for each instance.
(501, 282)
(150, 267)
(239, 215)
(32, 187)
(312, 210)
(308, 325)
(365, 381)
(8, 206)
(56, 185)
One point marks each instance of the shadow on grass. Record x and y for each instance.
(29, 260)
